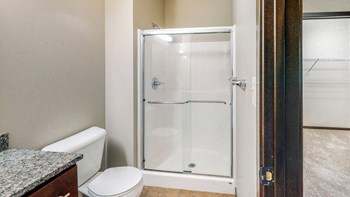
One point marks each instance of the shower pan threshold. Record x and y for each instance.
(189, 182)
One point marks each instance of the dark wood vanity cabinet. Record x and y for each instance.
(64, 184)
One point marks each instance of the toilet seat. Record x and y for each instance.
(115, 182)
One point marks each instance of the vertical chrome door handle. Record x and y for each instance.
(239, 82)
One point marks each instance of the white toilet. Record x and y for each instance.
(113, 182)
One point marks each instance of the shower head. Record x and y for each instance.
(155, 26)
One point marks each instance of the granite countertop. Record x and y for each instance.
(4, 141)
(23, 170)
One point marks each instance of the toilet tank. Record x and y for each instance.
(90, 143)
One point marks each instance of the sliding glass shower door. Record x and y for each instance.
(188, 103)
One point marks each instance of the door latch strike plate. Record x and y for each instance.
(267, 176)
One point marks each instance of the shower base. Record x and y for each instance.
(189, 182)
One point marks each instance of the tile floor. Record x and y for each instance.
(164, 192)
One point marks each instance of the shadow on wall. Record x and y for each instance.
(116, 154)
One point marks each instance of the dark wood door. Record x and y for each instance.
(281, 96)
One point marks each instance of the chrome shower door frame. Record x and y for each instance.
(141, 90)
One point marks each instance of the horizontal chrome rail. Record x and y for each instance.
(166, 102)
(200, 30)
(182, 103)
(198, 101)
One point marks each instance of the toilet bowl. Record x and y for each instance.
(113, 182)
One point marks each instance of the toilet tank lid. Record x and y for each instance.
(78, 141)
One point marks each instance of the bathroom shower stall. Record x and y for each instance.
(187, 101)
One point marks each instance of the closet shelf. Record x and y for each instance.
(322, 59)
(315, 60)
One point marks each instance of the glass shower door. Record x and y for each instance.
(166, 92)
(210, 106)
(188, 103)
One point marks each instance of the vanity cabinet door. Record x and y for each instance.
(64, 185)
(45, 191)
(67, 184)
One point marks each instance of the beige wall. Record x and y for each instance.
(147, 12)
(326, 5)
(120, 82)
(198, 13)
(51, 69)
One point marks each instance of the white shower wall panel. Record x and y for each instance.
(210, 71)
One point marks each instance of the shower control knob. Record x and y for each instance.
(155, 83)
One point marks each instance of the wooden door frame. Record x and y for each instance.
(281, 140)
